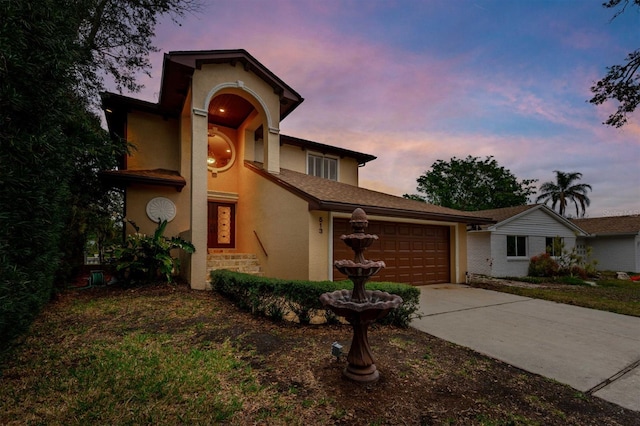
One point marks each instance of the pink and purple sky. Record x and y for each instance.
(412, 82)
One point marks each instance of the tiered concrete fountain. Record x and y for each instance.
(360, 307)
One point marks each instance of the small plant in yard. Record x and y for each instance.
(566, 264)
(145, 258)
(543, 265)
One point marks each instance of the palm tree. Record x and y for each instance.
(563, 190)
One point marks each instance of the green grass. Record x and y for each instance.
(99, 364)
(622, 297)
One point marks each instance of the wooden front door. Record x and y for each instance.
(221, 225)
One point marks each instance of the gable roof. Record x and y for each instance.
(178, 68)
(327, 149)
(610, 225)
(505, 215)
(329, 195)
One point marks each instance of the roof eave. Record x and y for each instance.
(122, 178)
(401, 213)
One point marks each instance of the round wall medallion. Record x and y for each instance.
(160, 208)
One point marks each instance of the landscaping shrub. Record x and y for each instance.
(543, 265)
(272, 297)
(146, 258)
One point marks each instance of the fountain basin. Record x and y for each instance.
(378, 304)
(367, 268)
(359, 241)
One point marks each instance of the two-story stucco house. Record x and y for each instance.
(209, 157)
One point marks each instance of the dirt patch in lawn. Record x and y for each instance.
(423, 380)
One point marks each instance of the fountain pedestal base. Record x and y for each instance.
(361, 367)
(361, 374)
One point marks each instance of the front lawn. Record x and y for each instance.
(167, 355)
(619, 296)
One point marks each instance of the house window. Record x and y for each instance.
(554, 246)
(321, 166)
(516, 246)
(220, 152)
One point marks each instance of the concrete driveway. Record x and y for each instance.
(593, 351)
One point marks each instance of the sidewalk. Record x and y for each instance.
(593, 351)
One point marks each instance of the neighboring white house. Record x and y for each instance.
(614, 241)
(505, 248)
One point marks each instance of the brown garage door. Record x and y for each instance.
(414, 254)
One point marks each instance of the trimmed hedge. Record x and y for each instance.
(274, 298)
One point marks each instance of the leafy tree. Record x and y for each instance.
(564, 190)
(114, 37)
(472, 184)
(52, 56)
(622, 82)
(414, 197)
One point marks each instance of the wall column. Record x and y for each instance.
(272, 151)
(199, 146)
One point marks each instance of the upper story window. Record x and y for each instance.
(516, 246)
(554, 246)
(321, 166)
(220, 152)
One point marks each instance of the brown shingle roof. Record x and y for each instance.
(504, 213)
(610, 224)
(325, 194)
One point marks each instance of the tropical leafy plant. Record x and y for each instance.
(146, 258)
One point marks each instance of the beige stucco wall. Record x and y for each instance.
(136, 209)
(155, 142)
(348, 171)
(281, 221)
(320, 237)
(458, 237)
(293, 158)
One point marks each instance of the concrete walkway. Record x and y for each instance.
(593, 351)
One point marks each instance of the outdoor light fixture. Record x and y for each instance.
(336, 350)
